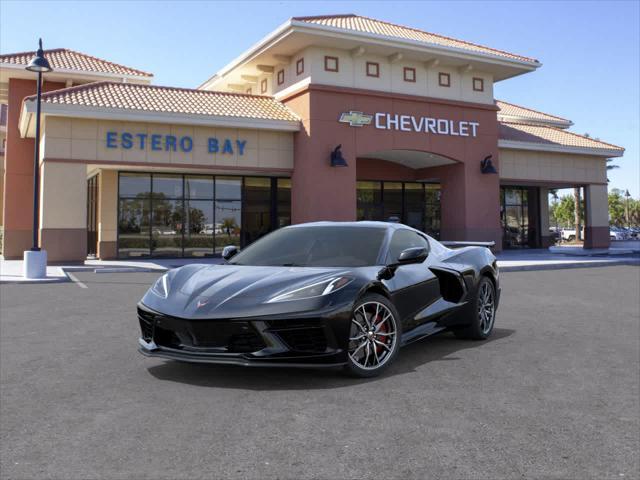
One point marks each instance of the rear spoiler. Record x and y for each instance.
(456, 244)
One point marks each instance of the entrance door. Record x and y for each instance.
(92, 216)
(519, 217)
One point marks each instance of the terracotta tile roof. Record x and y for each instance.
(152, 98)
(370, 25)
(517, 132)
(513, 110)
(65, 59)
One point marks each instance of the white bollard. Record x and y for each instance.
(35, 264)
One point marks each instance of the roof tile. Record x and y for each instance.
(65, 59)
(512, 110)
(370, 25)
(517, 132)
(152, 98)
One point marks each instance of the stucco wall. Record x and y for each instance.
(352, 73)
(85, 140)
(551, 167)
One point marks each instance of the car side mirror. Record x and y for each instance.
(413, 255)
(229, 251)
(406, 257)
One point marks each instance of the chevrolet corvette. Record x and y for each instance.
(322, 294)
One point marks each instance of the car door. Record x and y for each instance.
(413, 287)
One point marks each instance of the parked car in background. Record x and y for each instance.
(569, 234)
(618, 234)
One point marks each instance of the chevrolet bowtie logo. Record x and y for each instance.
(356, 119)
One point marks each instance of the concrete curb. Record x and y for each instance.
(566, 266)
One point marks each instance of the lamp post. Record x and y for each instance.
(35, 260)
(626, 208)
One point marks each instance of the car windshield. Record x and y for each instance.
(317, 246)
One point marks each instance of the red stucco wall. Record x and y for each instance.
(470, 200)
(18, 178)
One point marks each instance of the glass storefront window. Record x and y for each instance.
(199, 228)
(412, 203)
(519, 218)
(166, 226)
(283, 202)
(369, 196)
(135, 185)
(256, 217)
(133, 227)
(198, 188)
(392, 201)
(167, 186)
(228, 220)
(196, 215)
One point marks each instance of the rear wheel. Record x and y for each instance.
(483, 312)
(374, 338)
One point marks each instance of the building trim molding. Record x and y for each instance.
(387, 95)
(544, 147)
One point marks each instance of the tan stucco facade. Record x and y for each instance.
(538, 166)
(85, 140)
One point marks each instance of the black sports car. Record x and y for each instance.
(321, 294)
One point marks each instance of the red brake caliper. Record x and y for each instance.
(381, 338)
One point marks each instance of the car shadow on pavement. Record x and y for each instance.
(432, 349)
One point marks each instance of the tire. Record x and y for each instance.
(479, 329)
(374, 336)
(571, 238)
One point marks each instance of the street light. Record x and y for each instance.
(626, 208)
(35, 260)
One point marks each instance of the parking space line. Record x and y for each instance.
(75, 280)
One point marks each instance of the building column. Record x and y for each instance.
(470, 204)
(107, 214)
(596, 216)
(18, 174)
(318, 190)
(546, 240)
(63, 211)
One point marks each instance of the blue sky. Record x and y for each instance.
(589, 50)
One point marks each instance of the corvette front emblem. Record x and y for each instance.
(201, 303)
(355, 119)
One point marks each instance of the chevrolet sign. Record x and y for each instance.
(355, 119)
(410, 123)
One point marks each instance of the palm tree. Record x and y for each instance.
(611, 167)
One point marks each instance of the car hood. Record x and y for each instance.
(224, 291)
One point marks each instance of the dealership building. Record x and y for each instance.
(337, 117)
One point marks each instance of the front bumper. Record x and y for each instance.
(309, 340)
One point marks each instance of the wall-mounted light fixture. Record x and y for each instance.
(486, 166)
(337, 160)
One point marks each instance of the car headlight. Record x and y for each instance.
(161, 287)
(317, 289)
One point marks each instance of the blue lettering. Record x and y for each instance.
(227, 147)
(186, 144)
(213, 145)
(241, 144)
(111, 140)
(170, 143)
(126, 140)
(155, 142)
(142, 137)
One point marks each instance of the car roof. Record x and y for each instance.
(362, 223)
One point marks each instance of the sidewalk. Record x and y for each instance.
(508, 261)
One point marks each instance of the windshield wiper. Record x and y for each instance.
(291, 265)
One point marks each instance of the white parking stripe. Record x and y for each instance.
(75, 280)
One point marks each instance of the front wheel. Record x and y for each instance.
(374, 338)
(483, 313)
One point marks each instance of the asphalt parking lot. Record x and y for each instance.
(554, 394)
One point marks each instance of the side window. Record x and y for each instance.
(403, 239)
